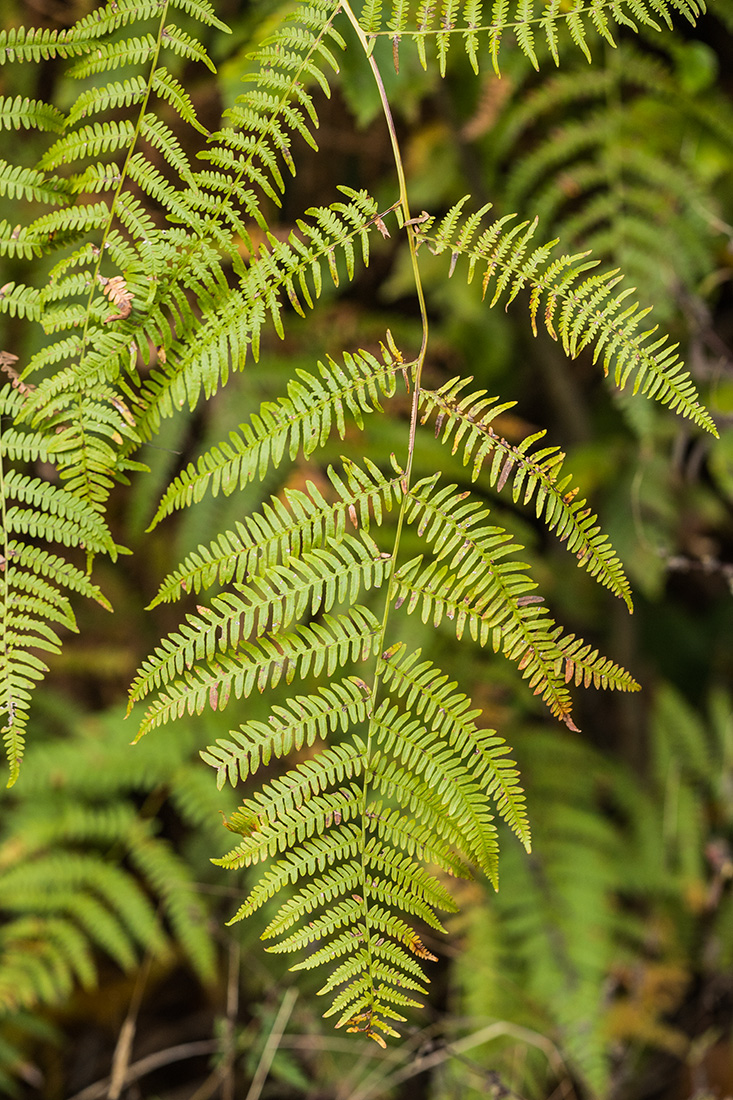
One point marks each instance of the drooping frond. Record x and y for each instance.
(582, 312)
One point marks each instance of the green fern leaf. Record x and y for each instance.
(301, 421)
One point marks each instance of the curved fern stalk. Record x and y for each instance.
(535, 476)
(583, 310)
(286, 528)
(300, 422)
(440, 23)
(34, 605)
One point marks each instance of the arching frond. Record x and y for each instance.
(585, 313)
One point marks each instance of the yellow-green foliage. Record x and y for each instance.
(151, 280)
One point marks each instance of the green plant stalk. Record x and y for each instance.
(403, 208)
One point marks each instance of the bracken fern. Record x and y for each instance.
(166, 276)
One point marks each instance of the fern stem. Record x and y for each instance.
(403, 206)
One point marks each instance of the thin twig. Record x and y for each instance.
(378, 1084)
(123, 1049)
(146, 1065)
(227, 1066)
(273, 1042)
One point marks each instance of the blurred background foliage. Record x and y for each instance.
(604, 965)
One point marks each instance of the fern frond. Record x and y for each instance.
(523, 21)
(603, 157)
(33, 580)
(584, 316)
(288, 526)
(319, 647)
(302, 421)
(300, 722)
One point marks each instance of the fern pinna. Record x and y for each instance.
(166, 275)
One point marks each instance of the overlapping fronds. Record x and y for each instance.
(582, 311)
(167, 278)
(532, 26)
(233, 319)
